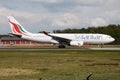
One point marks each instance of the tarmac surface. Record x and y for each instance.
(12, 48)
(104, 48)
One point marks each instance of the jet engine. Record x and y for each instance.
(76, 43)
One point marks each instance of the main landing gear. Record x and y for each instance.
(61, 46)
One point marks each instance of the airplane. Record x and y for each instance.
(62, 39)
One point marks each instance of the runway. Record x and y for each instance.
(12, 48)
(104, 48)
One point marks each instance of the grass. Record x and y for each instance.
(59, 65)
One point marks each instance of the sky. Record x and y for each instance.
(49, 15)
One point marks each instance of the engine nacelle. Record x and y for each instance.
(76, 43)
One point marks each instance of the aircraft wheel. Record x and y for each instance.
(102, 45)
(61, 46)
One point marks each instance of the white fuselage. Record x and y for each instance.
(86, 38)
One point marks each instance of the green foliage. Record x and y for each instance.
(3, 36)
(113, 30)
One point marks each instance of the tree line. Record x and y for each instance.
(112, 30)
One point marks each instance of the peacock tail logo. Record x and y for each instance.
(17, 29)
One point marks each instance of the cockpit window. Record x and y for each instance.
(109, 36)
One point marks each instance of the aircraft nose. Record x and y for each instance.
(113, 39)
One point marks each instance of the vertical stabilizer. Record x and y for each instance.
(16, 27)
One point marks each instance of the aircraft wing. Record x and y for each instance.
(57, 38)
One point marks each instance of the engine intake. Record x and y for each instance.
(76, 43)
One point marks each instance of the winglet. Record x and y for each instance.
(46, 33)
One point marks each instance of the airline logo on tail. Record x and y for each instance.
(16, 27)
